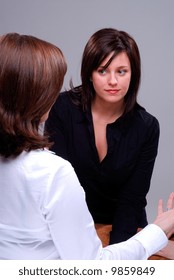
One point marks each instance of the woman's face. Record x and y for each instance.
(112, 83)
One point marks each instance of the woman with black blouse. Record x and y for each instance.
(110, 140)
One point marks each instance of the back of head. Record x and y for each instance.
(100, 45)
(31, 76)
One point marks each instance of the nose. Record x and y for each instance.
(112, 80)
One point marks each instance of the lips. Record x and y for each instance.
(112, 91)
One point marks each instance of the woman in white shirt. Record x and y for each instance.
(43, 212)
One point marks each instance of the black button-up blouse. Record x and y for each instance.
(116, 187)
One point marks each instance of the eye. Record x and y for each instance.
(102, 71)
(122, 72)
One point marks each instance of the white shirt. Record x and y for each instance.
(43, 215)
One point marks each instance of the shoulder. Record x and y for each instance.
(145, 119)
(45, 163)
(146, 125)
(63, 99)
(64, 104)
(50, 176)
(61, 110)
(66, 109)
(72, 98)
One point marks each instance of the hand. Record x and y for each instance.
(165, 219)
(168, 251)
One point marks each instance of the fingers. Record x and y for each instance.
(170, 202)
(160, 207)
(165, 219)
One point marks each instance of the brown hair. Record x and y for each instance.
(100, 45)
(31, 76)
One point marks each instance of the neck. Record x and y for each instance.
(107, 112)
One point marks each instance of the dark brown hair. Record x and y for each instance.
(100, 45)
(31, 76)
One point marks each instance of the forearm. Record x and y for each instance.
(145, 243)
(127, 219)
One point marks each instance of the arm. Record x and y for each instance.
(150, 237)
(69, 221)
(72, 228)
(132, 199)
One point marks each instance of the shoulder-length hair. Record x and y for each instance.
(100, 45)
(31, 76)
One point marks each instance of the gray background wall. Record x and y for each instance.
(70, 23)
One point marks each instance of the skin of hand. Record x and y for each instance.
(168, 251)
(165, 219)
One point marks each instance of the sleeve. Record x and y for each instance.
(140, 247)
(55, 127)
(69, 221)
(72, 227)
(130, 213)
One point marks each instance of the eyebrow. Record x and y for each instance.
(123, 66)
